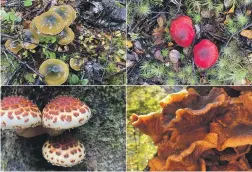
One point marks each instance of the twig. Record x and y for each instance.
(9, 79)
(115, 74)
(23, 63)
(245, 27)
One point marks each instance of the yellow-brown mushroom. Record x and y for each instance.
(30, 37)
(66, 12)
(76, 63)
(13, 45)
(50, 23)
(66, 36)
(55, 71)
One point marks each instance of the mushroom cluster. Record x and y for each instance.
(205, 52)
(63, 112)
(30, 41)
(196, 132)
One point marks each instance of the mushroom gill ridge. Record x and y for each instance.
(195, 132)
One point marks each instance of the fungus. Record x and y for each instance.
(63, 151)
(21, 114)
(76, 63)
(50, 23)
(65, 112)
(174, 56)
(66, 12)
(13, 45)
(55, 71)
(194, 132)
(182, 31)
(66, 36)
(30, 37)
(205, 54)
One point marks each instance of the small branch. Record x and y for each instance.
(245, 27)
(23, 63)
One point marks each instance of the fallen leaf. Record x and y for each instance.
(247, 33)
(129, 44)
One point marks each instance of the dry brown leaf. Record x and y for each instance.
(247, 33)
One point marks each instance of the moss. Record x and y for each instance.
(103, 136)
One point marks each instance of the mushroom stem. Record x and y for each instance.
(53, 132)
(31, 132)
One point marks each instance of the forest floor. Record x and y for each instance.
(227, 24)
(99, 43)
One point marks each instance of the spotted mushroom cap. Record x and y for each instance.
(18, 112)
(65, 112)
(66, 12)
(13, 45)
(66, 36)
(63, 151)
(50, 23)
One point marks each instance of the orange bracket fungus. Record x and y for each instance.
(13, 45)
(63, 151)
(182, 31)
(66, 36)
(30, 37)
(205, 54)
(21, 114)
(65, 112)
(76, 63)
(50, 23)
(55, 71)
(67, 13)
(195, 132)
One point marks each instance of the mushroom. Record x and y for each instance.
(63, 113)
(182, 31)
(50, 23)
(66, 36)
(76, 63)
(63, 151)
(66, 12)
(174, 56)
(33, 26)
(30, 37)
(13, 45)
(205, 54)
(55, 71)
(21, 114)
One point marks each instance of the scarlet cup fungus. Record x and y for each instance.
(205, 54)
(182, 31)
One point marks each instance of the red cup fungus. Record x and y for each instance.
(182, 31)
(205, 54)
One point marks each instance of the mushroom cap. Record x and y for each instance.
(31, 37)
(66, 12)
(63, 151)
(205, 54)
(182, 31)
(174, 56)
(65, 112)
(66, 36)
(76, 63)
(50, 23)
(33, 27)
(13, 45)
(18, 112)
(55, 71)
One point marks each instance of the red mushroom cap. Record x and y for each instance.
(205, 54)
(182, 31)
(18, 112)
